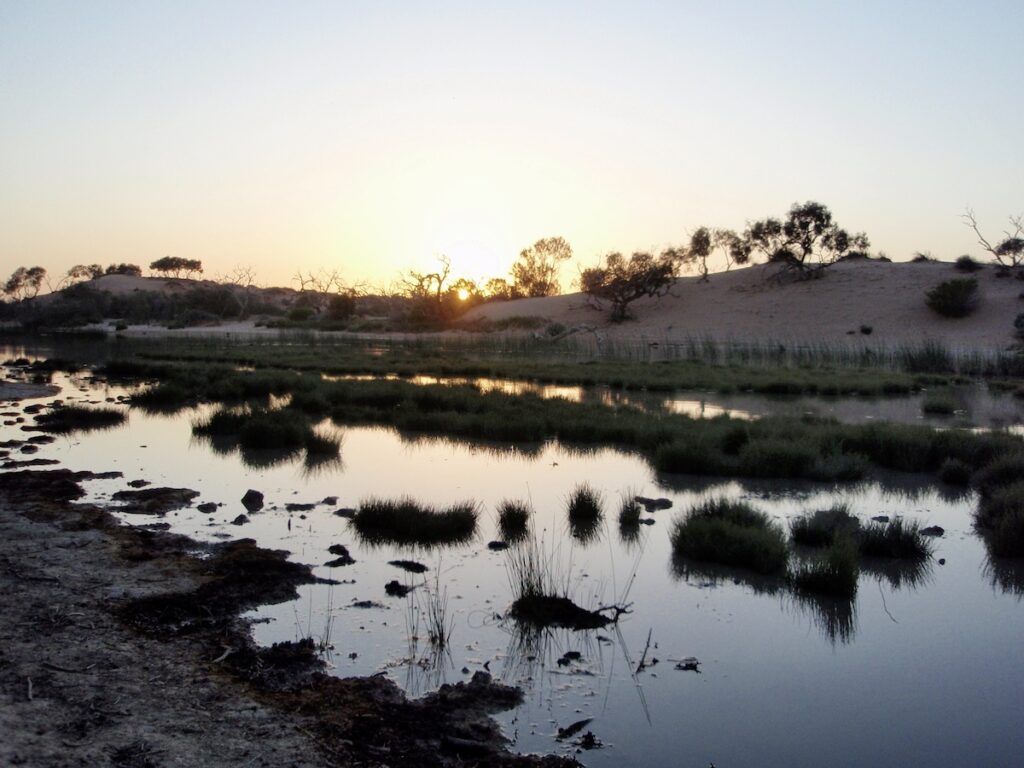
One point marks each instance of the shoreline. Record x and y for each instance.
(125, 643)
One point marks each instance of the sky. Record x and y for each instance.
(371, 137)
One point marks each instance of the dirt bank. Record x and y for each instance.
(121, 646)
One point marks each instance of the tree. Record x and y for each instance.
(132, 270)
(807, 241)
(80, 273)
(1008, 252)
(622, 281)
(535, 272)
(499, 289)
(24, 283)
(174, 266)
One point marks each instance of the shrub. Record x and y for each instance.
(731, 533)
(300, 314)
(405, 521)
(954, 298)
(896, 539)
(966, 264)
(822, 527)
(834, 574)
(1002, 502)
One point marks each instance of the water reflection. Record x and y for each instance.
(835, 618)
(899, 574)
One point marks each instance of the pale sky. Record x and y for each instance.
(369, 137)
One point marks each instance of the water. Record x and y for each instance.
(924, 671)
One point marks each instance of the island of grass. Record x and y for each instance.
(731, 533)
(75, 418)
(406, 522)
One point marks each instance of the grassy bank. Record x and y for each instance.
(822, 374)
(786, 447)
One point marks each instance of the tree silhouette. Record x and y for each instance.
(805, 242)
(535, 272)
(1008, 252)
(621, 281)
(175, 266)
(24, 283)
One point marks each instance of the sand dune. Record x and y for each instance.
(744, 306)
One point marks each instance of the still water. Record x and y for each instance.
(924, 668)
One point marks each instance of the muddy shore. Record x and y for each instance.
(122, 646)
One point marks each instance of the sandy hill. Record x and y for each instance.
(744, 305)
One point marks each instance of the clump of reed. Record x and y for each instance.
(540, 597)
(896, 539)
(834, 573)
(939, 404)
(629, 510)
(585, 508)
(76, 418)
(731, 533)
(1001, 512)
(405, 521)
(514, 520)
(822, 527)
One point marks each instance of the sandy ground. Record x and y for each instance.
(77, 688)
(743, 306)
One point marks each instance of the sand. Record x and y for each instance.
(745, 306)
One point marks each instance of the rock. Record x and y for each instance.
(240, 520)
(29, 449)
(207, 508)
(933, 530)
(366, 604)
(647, 520)
(294, 507)
(881, 518)
(653, 505)
(343, 556)
(942, 561)
(497, 546)
(155, 501)
(253, 500)
(396, 589)
(346, 512)
(689, 664)
(329, 501)
(138, 483)
(409, 565)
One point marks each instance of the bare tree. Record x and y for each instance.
(242, 283)
(1008, 252)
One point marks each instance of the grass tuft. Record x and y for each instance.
(514, 520)
(834, 573)
(407, 522)
(731, 533)
(822, 527)
(895, 539)
(75, 418)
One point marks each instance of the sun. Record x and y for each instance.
(463, 294)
